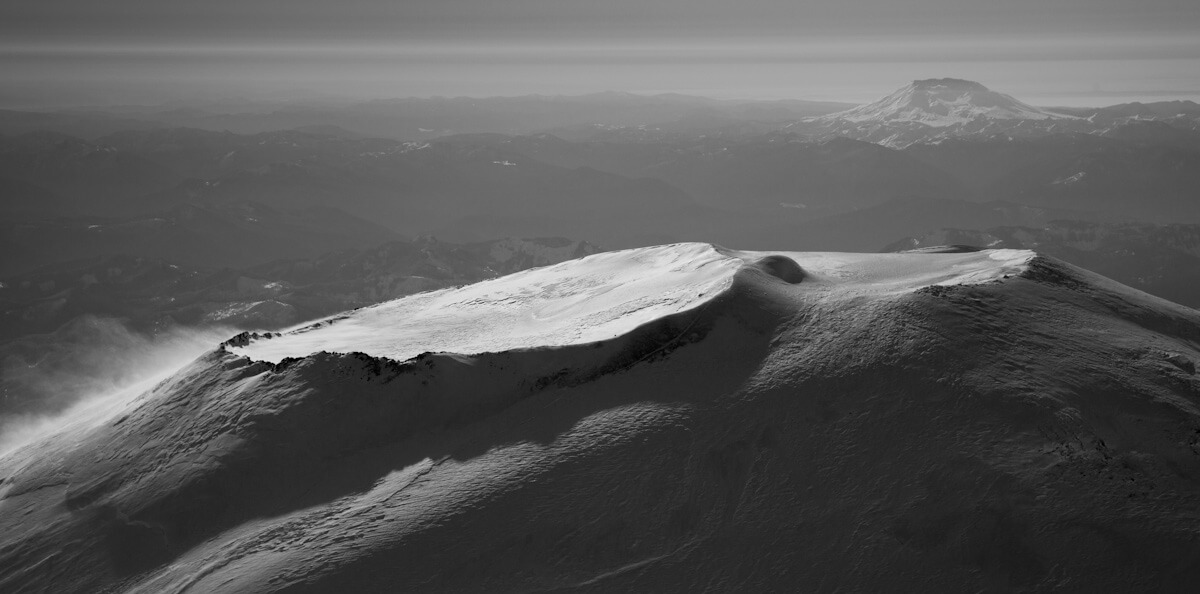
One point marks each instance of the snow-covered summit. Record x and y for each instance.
(600, 297)
(943, 102)
(583, 300)
(747, 409)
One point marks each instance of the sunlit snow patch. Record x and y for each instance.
(575, 302)
(604, 296)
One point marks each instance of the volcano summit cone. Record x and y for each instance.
(678, 418)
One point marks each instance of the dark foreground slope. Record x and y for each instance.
(901, 422)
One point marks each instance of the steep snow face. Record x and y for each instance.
(597, 298)
(943, 102)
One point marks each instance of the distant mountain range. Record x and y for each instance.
(116, 170)
(1136, 171)
(251, 185)
(208, 198)
(427, 118)
(922, 111)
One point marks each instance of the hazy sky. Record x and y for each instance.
(147, 51)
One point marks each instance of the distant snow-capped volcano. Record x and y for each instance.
(935, 109)
(944, 102)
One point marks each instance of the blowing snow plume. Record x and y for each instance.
(681, 418)
(87, 366)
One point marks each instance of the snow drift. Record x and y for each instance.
(679, 418)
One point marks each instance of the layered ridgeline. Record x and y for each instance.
(678, 418)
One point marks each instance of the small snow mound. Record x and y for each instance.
(780, 267)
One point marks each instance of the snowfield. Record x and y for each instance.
(674, 419)
(596, 298)
(590, 299)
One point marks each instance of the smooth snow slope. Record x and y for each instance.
(595, 298)
(938, 422)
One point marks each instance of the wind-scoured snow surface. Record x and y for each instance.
(683, 418)
(593, 298)
(590, 299)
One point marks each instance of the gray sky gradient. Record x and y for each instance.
(1045, 51)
